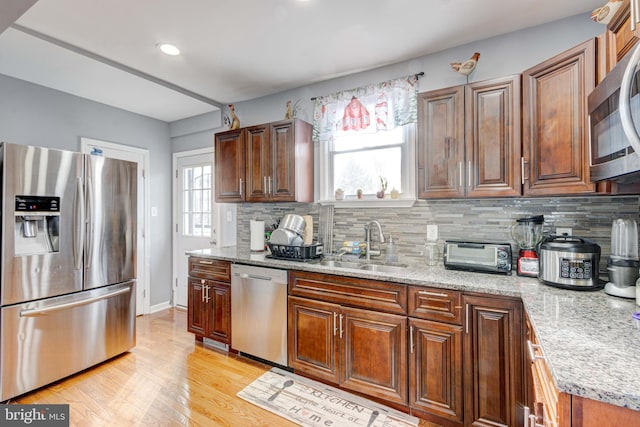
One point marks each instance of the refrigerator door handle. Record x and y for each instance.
(45, 310)
(89, 220)
(79, 225)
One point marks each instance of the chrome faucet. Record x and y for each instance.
(367, 237)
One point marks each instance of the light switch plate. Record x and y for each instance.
(432, 232)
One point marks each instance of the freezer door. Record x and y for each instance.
(30, 272)
(47, 340)
(110, 248)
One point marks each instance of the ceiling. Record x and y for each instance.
(235, 50)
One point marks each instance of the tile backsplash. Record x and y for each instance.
(465, 219)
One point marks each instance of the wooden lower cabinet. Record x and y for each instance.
(435, 369)
(209, 309)
(356, 349)
(209, 299)
(493, 361)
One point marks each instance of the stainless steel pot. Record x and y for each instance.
(293, 222)
(283, 236)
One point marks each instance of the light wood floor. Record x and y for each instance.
(165, 380)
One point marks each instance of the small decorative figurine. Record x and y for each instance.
(604, 13)
(466, 67)
(234, 122)
(292, 110)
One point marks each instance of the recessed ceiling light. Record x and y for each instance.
(169, 49)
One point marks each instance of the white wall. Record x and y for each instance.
(500, 56)
(34, 115)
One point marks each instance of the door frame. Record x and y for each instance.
(142, 251)
(174, 214)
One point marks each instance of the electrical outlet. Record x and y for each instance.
(229, 216)
(432, 232)
(563, 231)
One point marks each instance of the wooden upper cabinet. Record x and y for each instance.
(273, 163)
(258, 162)
(555, 136)
(441, 143)
(469, 140)
(492, 136)
(291, 176)
(620, 38)
(230, 166)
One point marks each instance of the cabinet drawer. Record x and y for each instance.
(211, 269)
(441, 305)
(350, 291)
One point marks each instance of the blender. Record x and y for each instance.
(623, 263)
(527, 233)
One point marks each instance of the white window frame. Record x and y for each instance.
(324, 165)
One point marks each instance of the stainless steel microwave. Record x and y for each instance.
(614, 123)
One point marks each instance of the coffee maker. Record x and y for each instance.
(623, 265)
(527, 232)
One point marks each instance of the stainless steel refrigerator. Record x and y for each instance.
(67, 264)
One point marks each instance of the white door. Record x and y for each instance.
(141, 157)
(194, 212)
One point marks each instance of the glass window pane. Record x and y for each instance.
(363, 170)
(197, 199)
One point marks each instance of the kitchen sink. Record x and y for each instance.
(383, 268)
(341, 264)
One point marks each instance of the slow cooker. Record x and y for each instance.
(570, 262)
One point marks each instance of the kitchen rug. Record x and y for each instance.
(313, 404)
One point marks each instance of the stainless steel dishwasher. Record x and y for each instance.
(259, 312)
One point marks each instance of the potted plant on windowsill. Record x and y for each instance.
(383, 187)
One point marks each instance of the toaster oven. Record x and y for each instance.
(482, 257)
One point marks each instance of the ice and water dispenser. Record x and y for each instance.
(37, 225)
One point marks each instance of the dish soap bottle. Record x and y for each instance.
(391, 255)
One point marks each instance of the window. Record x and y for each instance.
(196, 193)
(358, 162)
(366, 141)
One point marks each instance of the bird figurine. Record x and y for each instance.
(466, 67)
(234, 121)
(604, 13)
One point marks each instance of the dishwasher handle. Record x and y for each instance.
(253, 276)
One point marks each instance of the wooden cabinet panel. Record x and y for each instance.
(492, 137)
(206, 268)
(555, 137)
(230, 165)
(313, 346)
(493, 361)
(350, 291)
(435, 366)
(441, 305)
(283, 159)
(620, 38)
(374, 353)
(219, 319)
(196, 306)
(441, 143)
(258, 163)
(591, 413)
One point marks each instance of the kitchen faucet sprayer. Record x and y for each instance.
(367, 235)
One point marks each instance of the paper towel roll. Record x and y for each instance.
(257, 235)
(308, 230)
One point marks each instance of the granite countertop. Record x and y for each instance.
(590, 340)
